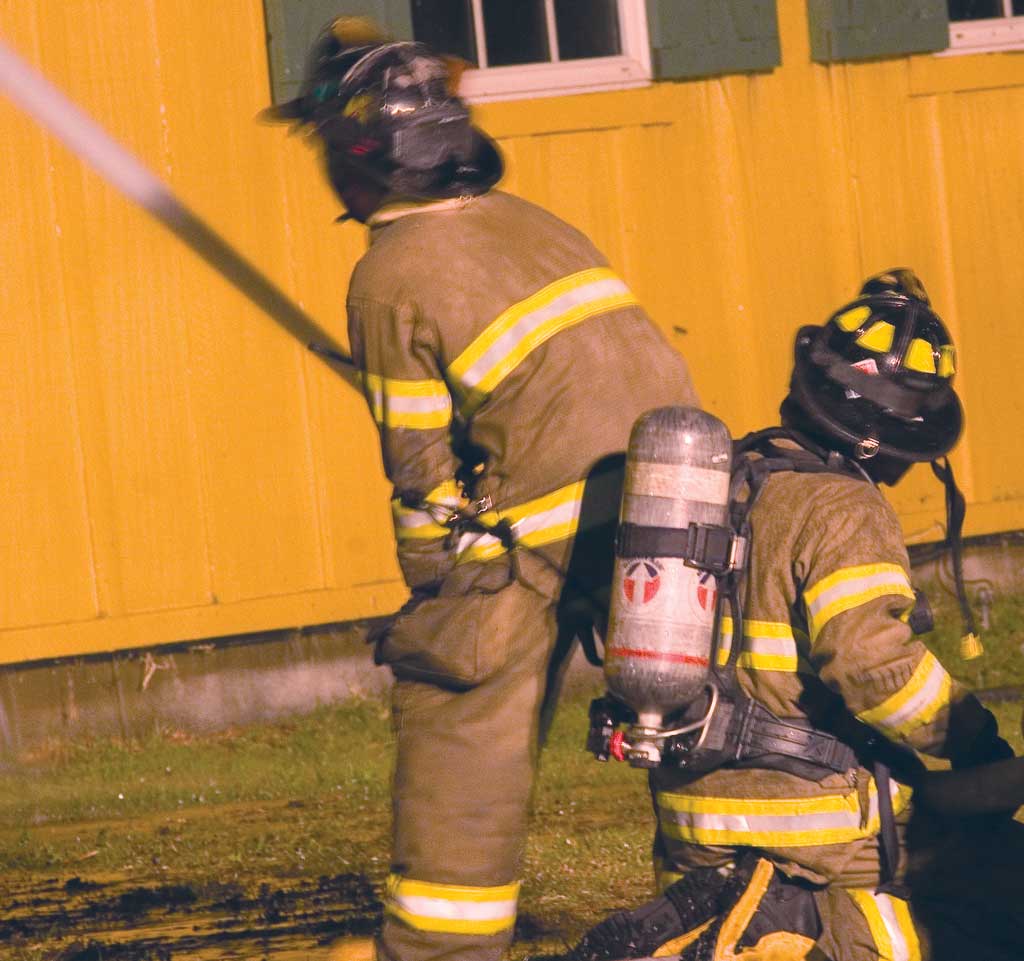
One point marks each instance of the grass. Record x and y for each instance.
(1001, 666)
(310, 797)
(311, 756)
(1003, 662)
(164, 800)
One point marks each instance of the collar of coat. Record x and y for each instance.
(402, 208)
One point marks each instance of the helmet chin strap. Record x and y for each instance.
(970, 644)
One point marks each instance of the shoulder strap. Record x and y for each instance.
(756, 457)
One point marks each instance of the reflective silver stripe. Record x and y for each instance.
(477, 546)
(767, 646)
(426, 907)
(772, 822)
(450, 908)
(544, 520)
(917, 703)
(413, 404)
(891, 925)
(510, 340)
(849, 588)
(524, 326)
(415, 523)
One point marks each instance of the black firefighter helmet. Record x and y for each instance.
(387, 110)
(876, 380)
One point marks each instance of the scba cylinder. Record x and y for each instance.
(662, 619)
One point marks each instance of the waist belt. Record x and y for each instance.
(763, 740)
(742, 733)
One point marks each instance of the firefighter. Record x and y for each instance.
(761, 854)
(503, 362)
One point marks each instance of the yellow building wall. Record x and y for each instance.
(174, 467)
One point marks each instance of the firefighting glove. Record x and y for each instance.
(762, 916)
(754, 914)
(683, 910)
(974, 735)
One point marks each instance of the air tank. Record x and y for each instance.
(663, 612)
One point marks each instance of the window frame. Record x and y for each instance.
(992, 35)
(631, 68)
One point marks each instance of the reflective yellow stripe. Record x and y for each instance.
(767, 646)
(417, 523)
(917, 703)
(849, 588)
(547, 519)
(524, 326)
(773, 822)
(878, 337)
(544, 520)
(890, 923)
(451, 908)
(947, 360)
(415, 404)
(851, 319)
(920, 356)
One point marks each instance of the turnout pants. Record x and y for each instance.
(960, 898)
(470, 671)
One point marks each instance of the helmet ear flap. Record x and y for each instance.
(428, 144)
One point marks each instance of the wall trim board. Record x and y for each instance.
(945, 73)
(155, 628)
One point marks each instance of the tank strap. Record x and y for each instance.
(708, 546)
(755, 458)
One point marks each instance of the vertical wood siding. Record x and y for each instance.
(174, 467)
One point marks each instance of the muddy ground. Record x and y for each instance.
(159, 912)
(162, 911)
(117, 919)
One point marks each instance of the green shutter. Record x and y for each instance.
(697, 38)
(293, 25)
(862, 29)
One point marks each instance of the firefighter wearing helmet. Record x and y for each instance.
(504, 362)
(782, 832)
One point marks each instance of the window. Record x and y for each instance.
(984, 26)
(539, 47)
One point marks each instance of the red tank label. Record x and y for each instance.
(705, 597)
(641, 582)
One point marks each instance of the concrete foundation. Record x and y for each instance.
(194, 687)
(993, 568)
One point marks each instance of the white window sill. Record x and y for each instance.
(553, 79)
(985, 36)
